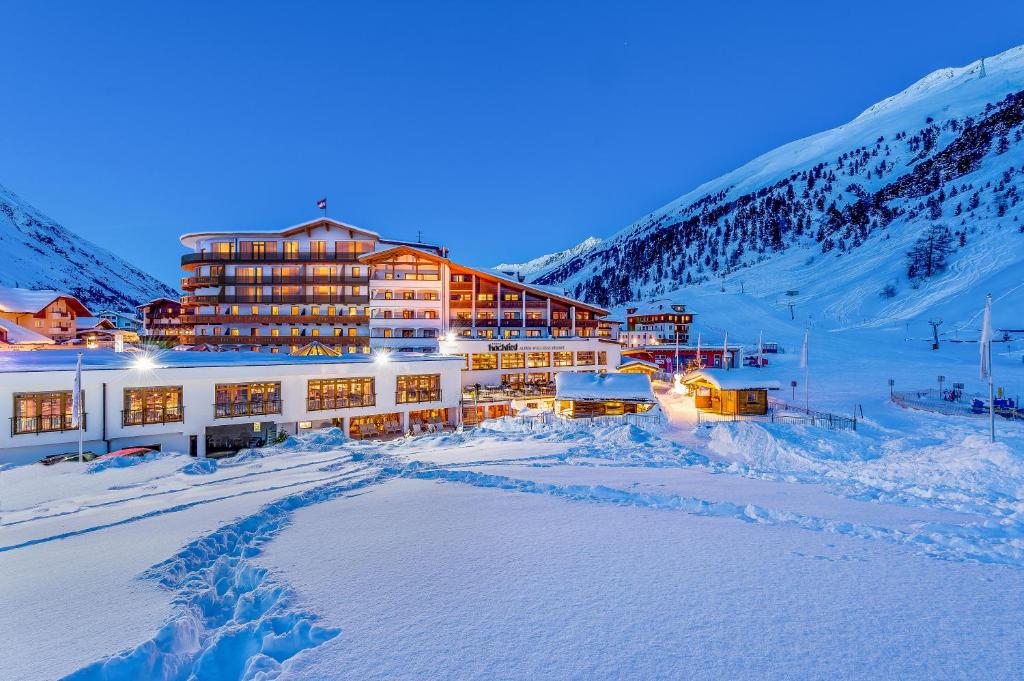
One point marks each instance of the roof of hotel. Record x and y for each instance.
(108, 360)
(19, 335)
(294, 229)
(29, 300)
(627, 360)
(734, 379)
(158, 300)
(86, 323)
(592, 386)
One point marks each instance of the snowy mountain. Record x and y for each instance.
(826, 222)
(532, 269)
(39, 253)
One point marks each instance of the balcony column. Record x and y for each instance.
(572, 316)
(497, 314)
(548, 320)
(472, 309)
(522, 322)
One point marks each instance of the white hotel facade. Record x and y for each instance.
(202, 402)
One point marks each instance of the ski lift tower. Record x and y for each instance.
(935, 324)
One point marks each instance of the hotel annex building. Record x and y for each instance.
(357, 292)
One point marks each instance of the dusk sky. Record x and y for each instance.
(502, 130)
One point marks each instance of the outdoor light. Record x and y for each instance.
(143, 363)
(381, 357)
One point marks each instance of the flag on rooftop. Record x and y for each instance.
(986, 340)
(322, 204)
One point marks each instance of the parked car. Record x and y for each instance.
(128, 451)
(57, 458)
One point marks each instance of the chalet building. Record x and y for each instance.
(737, 393)
(656, 323)
(671, 359)
(352, 290)
(162, 320)
(122, 321)
(14, 337)
(216, 402)
(48, 313)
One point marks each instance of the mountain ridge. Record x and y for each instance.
(946, 149)
(40, 253)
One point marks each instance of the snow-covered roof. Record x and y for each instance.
(29, 300)
(656, 307)
(158, 300)
(734, 379)
(189, 240)
(570, 385)
(103, 359)
(19, 335)
(626, 361)
(86, 323)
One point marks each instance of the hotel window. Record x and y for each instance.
(465, 297)
(388, 294)
(356, 272)
(429, 295)
(510, 333)
(339, 393)
(485, 333)
(351, 331)
(533, 333)
(513, 360)
(466, 333)
(337, 332)
(294, 331)
(47, 412)
(233, 332)
(585, 358)
(143, 406)
(352, 311)
(430, 314)
(538, 359)
(295, 310)
(275, 332)
(332, 311)
(602, 357)
(485, 360)
(421, 388)
(513, 380)
(408, 295)
(563, 359)
(291, 250)
(357, 291)
(246, 399)
(459, 278)
(234, 309)
(255, 309)
(315, 332)
(314, 310)
(485, 296)
(542, 377)
(463, 316)
(513, 295)
(511, 316)
(318, 248)
(561, 315)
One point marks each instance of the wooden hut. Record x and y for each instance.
(589, 394)
(635, 365)
(738, 391)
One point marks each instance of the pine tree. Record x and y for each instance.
(929, 254)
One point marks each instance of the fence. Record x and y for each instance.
(931, 400)
(781, 412)
(546, 420)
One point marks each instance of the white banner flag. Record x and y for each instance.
(804, 350)
(76, 395)
(725, 351)
(986, 339)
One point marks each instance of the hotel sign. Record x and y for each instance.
(527, 347)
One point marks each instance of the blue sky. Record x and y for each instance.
(503, 130)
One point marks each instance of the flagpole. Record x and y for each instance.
(991, 399)
(78, 406)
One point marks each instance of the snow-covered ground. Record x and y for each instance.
(721, 551)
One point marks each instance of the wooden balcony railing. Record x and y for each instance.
(152, 415)
(272, 257)
(274, 319)
(270, 299)
(358, 341)
(52, 423)
(228, 410)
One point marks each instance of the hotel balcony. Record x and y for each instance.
(191, 283)
(274, 319)
(270, 299)
(358, 341)
(273, 257)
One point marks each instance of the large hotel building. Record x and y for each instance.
(356, 292)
